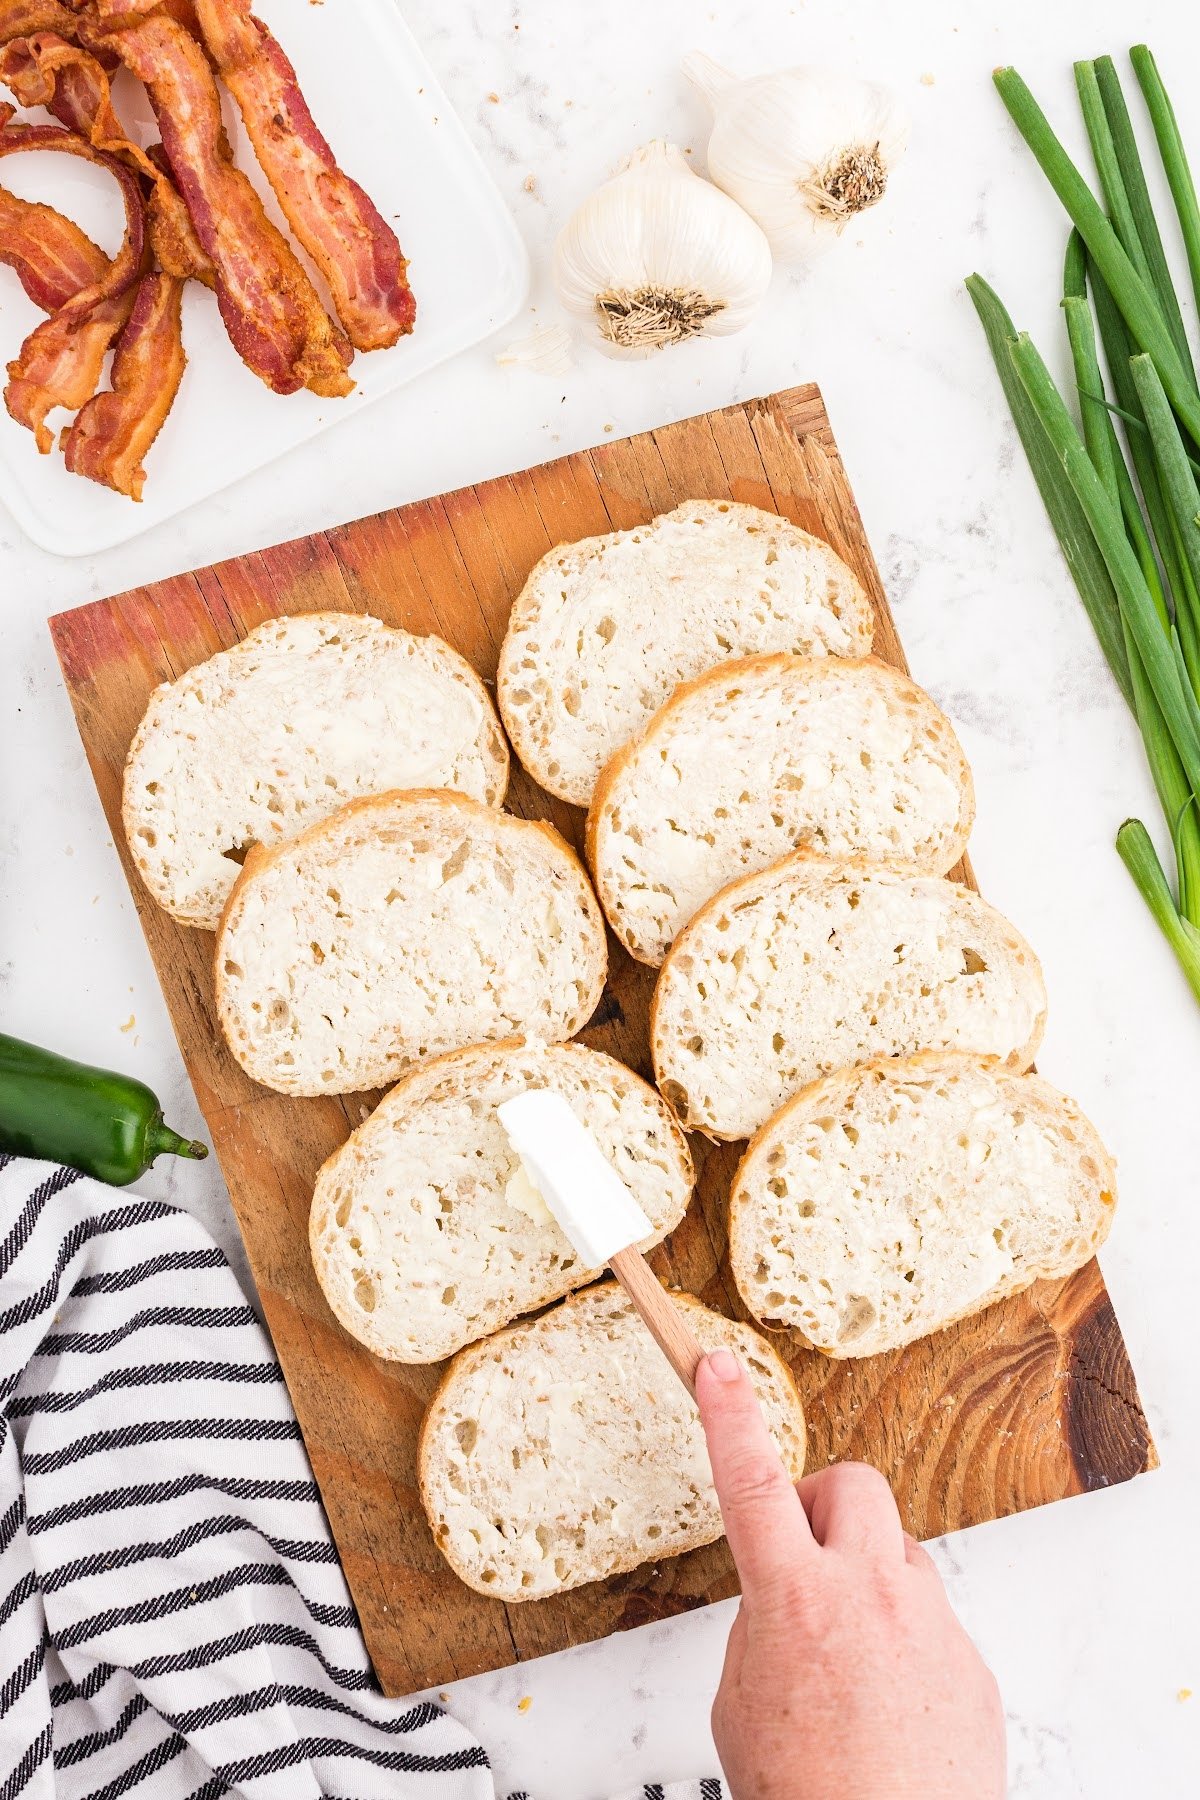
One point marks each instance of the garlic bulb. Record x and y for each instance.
(803, 151)
(657, 255)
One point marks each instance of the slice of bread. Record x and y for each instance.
(565, 1449)
(303, 715)
(845, 759)
(810, 966)
(887, 1201)
(605, 630)
(404, 926)
(426, 1234)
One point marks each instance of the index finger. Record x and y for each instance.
(766, 1525)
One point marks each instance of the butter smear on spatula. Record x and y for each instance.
(583, 1192)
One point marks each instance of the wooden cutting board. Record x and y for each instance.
(1029, 1402)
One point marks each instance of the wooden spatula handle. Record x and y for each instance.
(664, 1320)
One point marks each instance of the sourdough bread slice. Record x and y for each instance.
(808, 967)
(565, 1449)
(885, 1202)
(426, 1233)
(757, 758)
(303, 715)
(604, 630)
(404, 926)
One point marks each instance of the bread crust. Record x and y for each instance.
(466, 1361)
(833, 1092)
(496, 749)
(783, 663)
(261, 858)
(1019, 1060)
(442, 1068)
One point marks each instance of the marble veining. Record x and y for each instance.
(1089, 1611)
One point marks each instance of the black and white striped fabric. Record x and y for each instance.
(174, 1624)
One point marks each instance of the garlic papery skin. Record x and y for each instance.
(804, 151)
(546, 350)
(657, 256)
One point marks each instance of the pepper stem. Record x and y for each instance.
(162, 1141)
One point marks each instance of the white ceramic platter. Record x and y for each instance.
(392, 128)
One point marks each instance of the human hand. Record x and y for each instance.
(847, 1676)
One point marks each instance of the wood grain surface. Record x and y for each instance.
(1031, 1401)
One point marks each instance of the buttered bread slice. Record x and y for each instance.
(605, 630)
(426, 1232)
(809, 967)
(757, 758)
(564, 1449)
(885, 1202)
(405, 926)
(303, 715)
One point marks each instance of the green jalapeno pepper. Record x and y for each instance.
(107, 1125)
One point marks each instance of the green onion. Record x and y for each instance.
(1108, 167)
(1118, 349)
(1139, 306)
(1132, 545)
(1174, 157)
(1098, 433)
(1153, 261)
(1178, 486)
(1137, 852)
(1066, 515)
(1133, 595)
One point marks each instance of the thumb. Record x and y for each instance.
(765, 1523)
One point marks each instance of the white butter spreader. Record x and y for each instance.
(594, 1209)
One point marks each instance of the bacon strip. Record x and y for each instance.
(46, 70)
(20, 18)
(52, 257)
(341, 228)
(269, 305)
(126, 266)
(60, 364)
(114, 430)
(60, 361)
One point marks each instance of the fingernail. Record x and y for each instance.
(724, 1365)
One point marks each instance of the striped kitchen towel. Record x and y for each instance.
(173, 1620)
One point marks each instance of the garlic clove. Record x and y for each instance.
(546, 350)
(804, 151)
(657, 256)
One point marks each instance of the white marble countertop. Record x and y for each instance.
(1089, 1611)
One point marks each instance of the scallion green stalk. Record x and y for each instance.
(1140, 583)
(1134, 598)
(1137, 302)
(1153, 262)
(1137, 852)
(1174, 159)
(1178, 487)
(1074, 534)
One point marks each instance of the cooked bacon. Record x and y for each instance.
(46, 70)
(113, 432)
(175, 245)
(126, 266)
(43, 69)
(52, 257)
(269, 305)
(343, 231)
(20, 18)
(182, 11)
(60, 361)
(60, 364)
